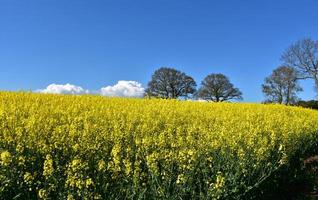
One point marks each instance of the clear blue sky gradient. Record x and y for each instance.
(96, 43)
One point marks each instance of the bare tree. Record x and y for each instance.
(217, 88)
(282, 86)
(303, 56)
(170, 83)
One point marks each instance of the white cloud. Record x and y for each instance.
(63, 89)
(123, 89)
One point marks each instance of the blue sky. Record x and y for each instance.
(96, 43)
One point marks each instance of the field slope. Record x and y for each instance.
(90, 147)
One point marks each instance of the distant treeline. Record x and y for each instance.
(308, 104)
(299, 62)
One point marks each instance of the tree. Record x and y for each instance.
(170, 83)
(217, 88)
(282, 86)
(303, 56)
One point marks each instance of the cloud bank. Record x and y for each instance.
(123, 89)
(120, 89)
(63, 89)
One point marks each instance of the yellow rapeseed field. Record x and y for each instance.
(91, 147)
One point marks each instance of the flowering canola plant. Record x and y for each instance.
(91, 147)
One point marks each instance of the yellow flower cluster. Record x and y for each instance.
(90, 147)
(5, 158)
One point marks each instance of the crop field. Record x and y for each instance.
(92, 147)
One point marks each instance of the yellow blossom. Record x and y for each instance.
(6, 158)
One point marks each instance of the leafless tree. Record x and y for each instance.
(218, 88)
(303, 56)
(282, 86)
(170, 83)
